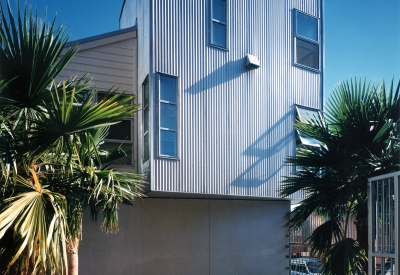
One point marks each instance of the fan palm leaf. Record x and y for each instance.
(37, 220)
(358, 139)
(50, 138)
(30, 53)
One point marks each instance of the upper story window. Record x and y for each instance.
(306, 40)
(219, 24)
(145, 116)
(168, 120)
(120, 135)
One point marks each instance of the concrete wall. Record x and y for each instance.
(183, 236)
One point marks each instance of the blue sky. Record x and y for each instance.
(362, 37)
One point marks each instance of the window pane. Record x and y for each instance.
(307, 26)
(218, 34)
(309, 141)
(145, 147)
(219, 10)
(168, 88)
(307, 115)
(307, 54)
(110, 146)
(120, 131)
(146, 120)
(168, 116)
(168, 143)
(145, 94)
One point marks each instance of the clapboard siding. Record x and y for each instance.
(102, 75)
(109, 65)
(236, 125)
(102, 63)
(110, 60)
(114, 70)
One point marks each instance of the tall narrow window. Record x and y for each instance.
(119, 137)
(167, 116)
(306, 40)
(219, 24)
(145, 116)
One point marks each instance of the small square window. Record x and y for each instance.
(218, 34)
(306, 26)
(307, 54)
(168, 143)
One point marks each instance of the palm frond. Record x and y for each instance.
(33, 217)
(110, 189)
(30, 54)
(323, 236)
(359, 138)
(345, 257)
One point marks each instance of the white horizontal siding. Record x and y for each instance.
(109, 65)
(111, 62)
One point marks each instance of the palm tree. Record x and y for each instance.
(51, 160)
(357, 140)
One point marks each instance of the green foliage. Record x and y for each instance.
(345, 257)
(359, 139)
(50, 138)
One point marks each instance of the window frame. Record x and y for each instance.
(302, 38)
(160, 101)
(120, 141)
(146, 134)
(298, 134)
(212, 20)
(299, 139)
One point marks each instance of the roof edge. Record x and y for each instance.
(100, 36)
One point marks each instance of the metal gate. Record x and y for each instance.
(383, 227)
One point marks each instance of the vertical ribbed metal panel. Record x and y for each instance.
(236, 125)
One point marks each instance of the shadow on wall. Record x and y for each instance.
(266, 151)
(227, 72)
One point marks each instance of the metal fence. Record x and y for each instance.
(383, 225)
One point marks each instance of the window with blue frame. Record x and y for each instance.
(168, 112)
(219, 24)
(306, 40)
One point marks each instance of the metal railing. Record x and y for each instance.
(383, 227)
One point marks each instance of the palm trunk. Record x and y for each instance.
(362, 229)
(72, 257)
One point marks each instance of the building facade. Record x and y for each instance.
(220, 85)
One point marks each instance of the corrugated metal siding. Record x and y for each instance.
(236, 126)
